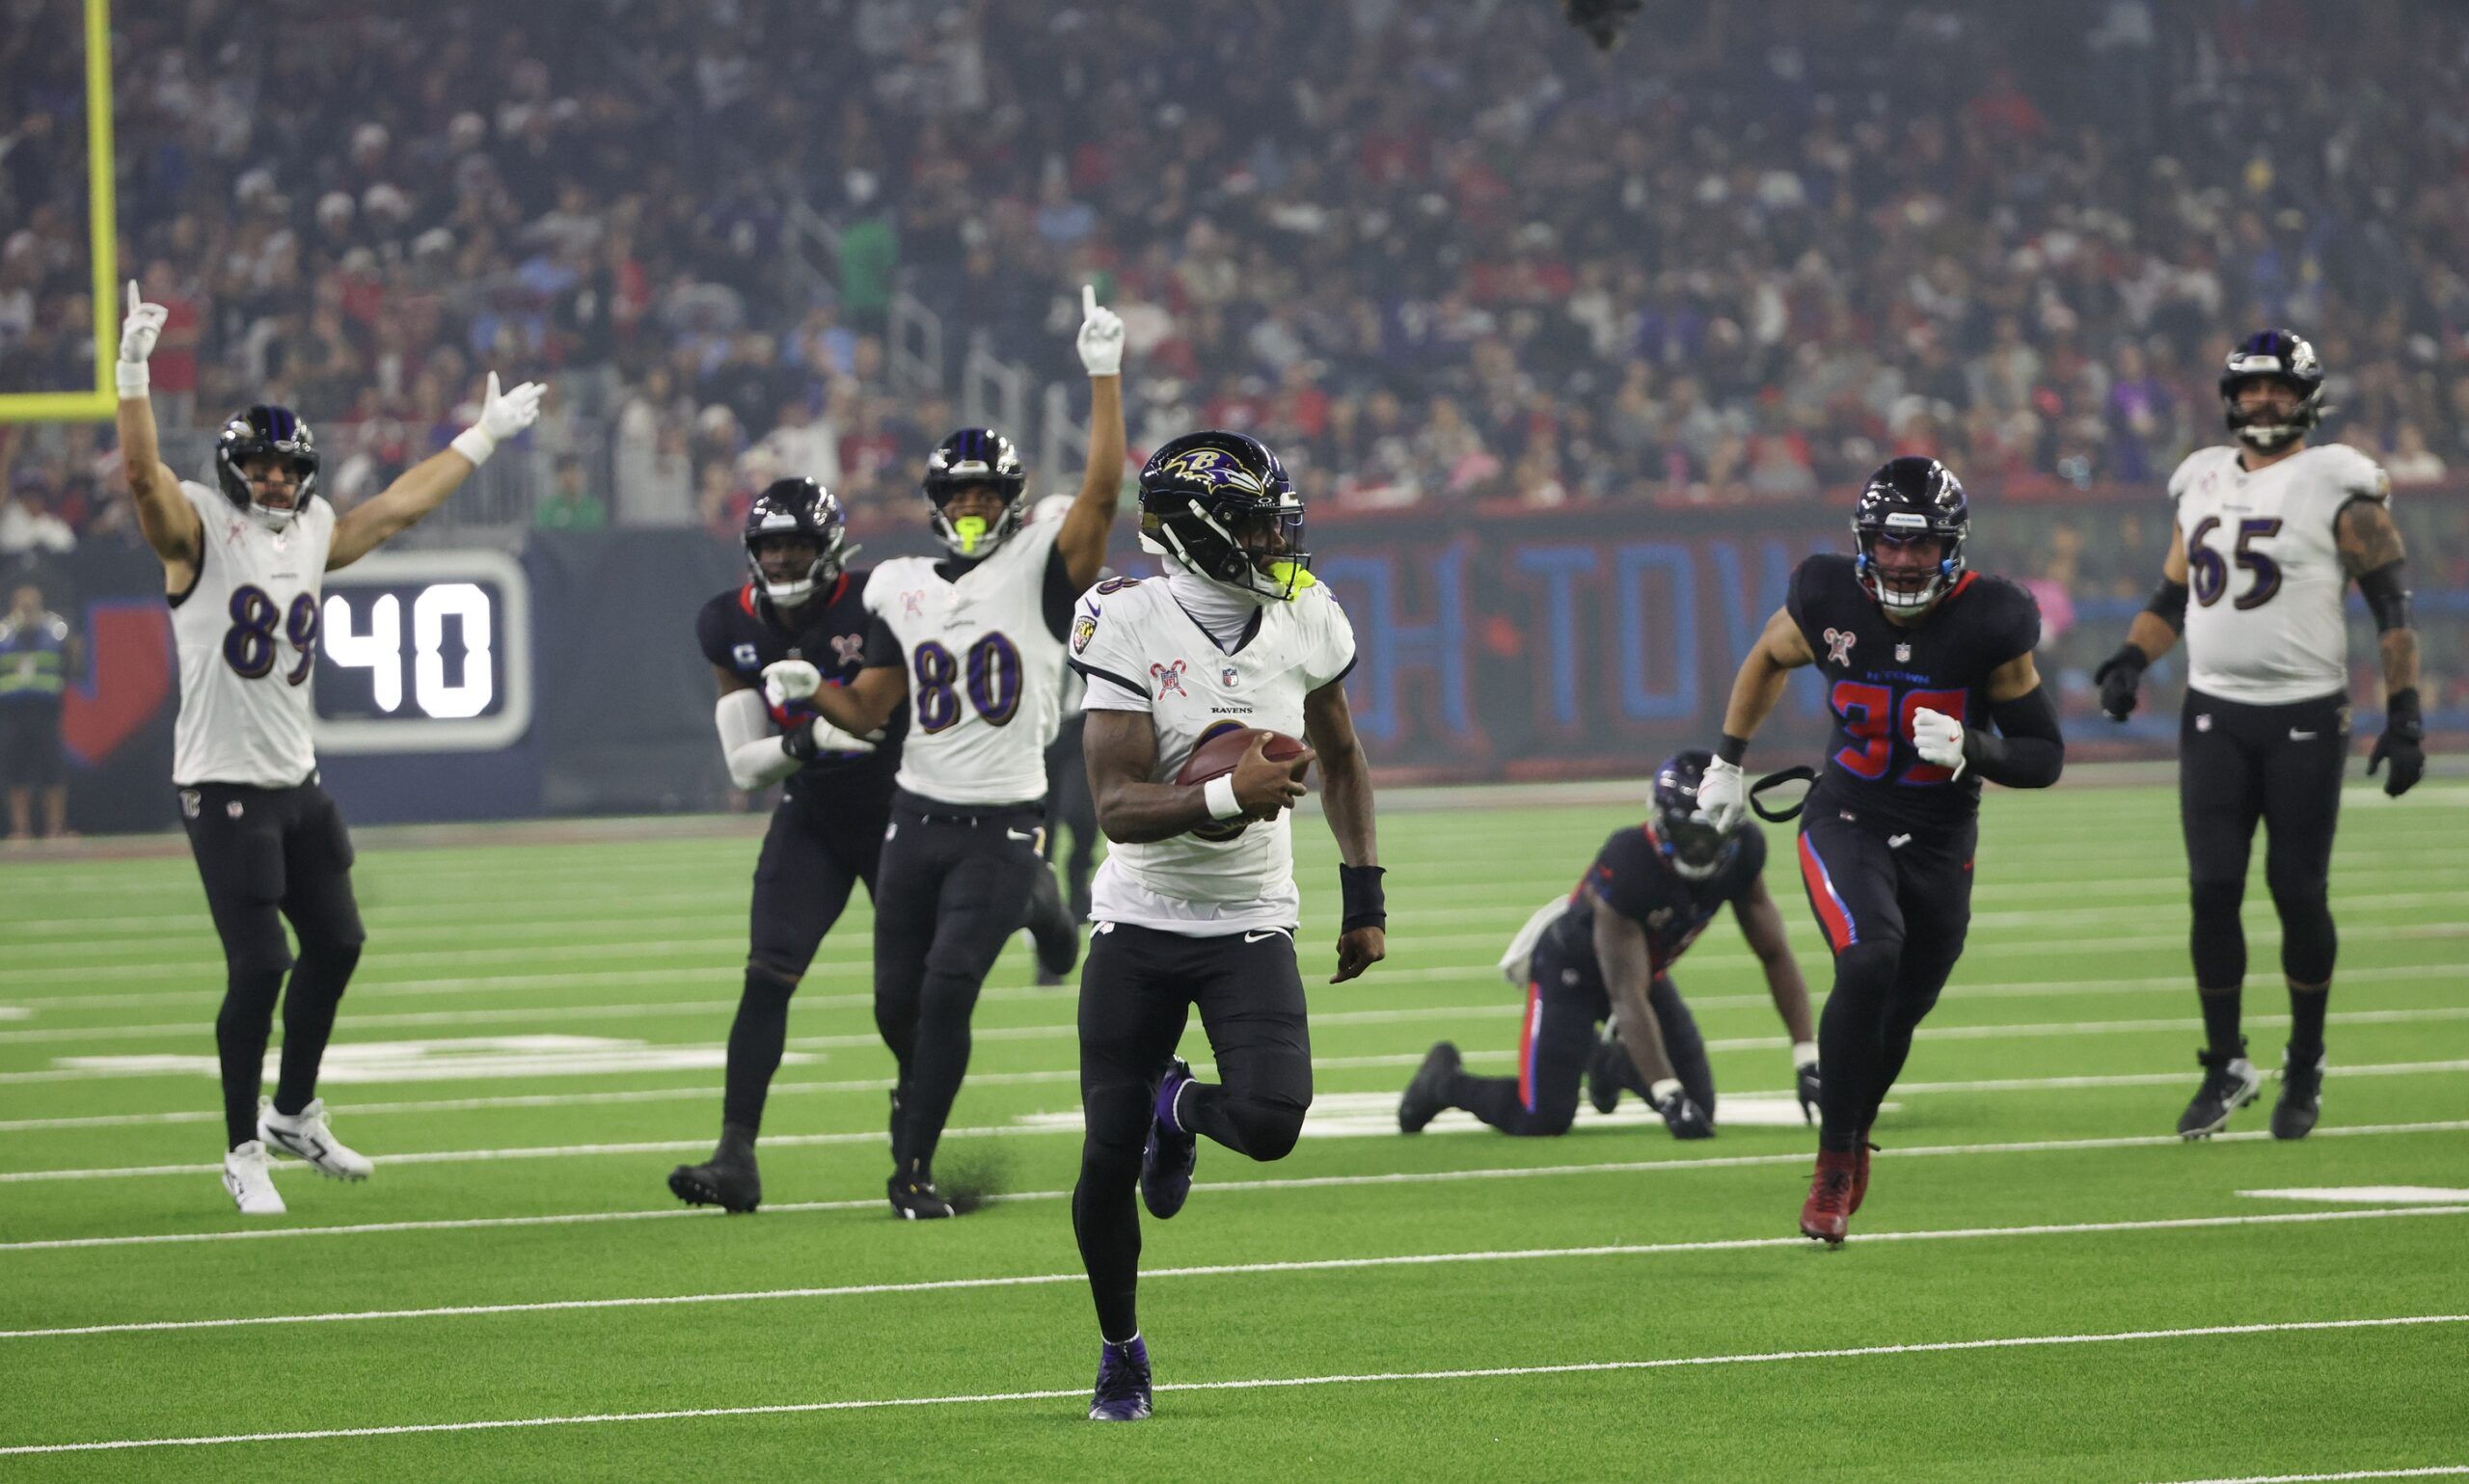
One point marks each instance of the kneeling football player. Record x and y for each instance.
(1196, 902)
(1606, 954)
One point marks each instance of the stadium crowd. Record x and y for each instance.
(1456, 257)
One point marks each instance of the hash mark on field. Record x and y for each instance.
(1366, 1378)
(1232, 1270)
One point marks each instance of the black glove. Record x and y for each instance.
(1804, 1088)
(2403, 743)
(1684, 1118)
(2117, 676)
(797, 741)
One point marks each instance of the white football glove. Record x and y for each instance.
(1723, 798)
(1939, 738)
(502, 414)
(785, 681)
(137, 336)
(1100, 335)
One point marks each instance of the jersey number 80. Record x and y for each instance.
(994, 682)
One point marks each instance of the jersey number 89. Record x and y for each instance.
(994, 682)
(248, 645)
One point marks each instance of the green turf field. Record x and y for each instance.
(2045, 1282)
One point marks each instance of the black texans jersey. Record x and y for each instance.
(741, 632)
(1633, 878)
(1878, 674)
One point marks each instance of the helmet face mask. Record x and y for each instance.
(1909, 531)
(975, 459)
(1219, 504)
(254, 443)
(796, 519)
(2271, 357)
(1687, 839)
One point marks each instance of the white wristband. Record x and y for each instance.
(1218, 794)
(1664, 1092)
(475, 444)
(1804, 1054)
(133, 377)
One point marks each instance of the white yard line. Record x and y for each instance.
(2432, 1471)
(1361, 1378)
(1291, 1182)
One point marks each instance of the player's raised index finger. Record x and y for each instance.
(1088, 301)
(134, 298)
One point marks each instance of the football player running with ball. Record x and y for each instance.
(2268, 535)
(242, 568)
(973, 642)
(802, 615)
(1196, 904)
(1919, 657)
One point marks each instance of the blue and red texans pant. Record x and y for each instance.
(1872, 884)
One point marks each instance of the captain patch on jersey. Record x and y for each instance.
(1140, 651)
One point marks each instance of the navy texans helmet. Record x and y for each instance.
(1220, 504)
(974, 457)
(799, 508)
(265, 431)
(1678, 827)
(2282, 356)
(1911, 498)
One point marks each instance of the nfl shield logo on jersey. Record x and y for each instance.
(1903, 654)
(1227, 677)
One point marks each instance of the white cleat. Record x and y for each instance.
(248, 1174)
(303, 1135)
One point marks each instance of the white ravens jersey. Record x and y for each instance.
(1139, 651)
(2264, 585)
(247, 635)
(985, 670)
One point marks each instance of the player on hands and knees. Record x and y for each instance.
(800, 617)
(242, 568)
(2269, 534)
(1605, 953)
(1919, 657)
(1196, 902)
(974, 644)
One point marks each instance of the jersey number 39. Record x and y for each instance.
(1874, 716)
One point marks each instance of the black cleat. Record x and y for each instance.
(2229, 1084)
(1428, 1094)
(1166, 1165)
(1052, 930)
(1123, 1393)
(913, 1199)
(2302, 1095)
(1603, 1080)
(734, 1185)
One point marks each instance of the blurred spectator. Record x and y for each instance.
(2411, 461)
(569, 505)
(38, 653)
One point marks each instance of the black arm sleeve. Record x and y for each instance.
(2385, 597)
(2026, 751)
(1058, 597)
(2169, 605)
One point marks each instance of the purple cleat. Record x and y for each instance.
(1123, 1383)
(1166, 1164)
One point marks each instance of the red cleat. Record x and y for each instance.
(1861, 1172)
(1828, 1212)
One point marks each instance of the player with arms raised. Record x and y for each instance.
(1918, 655)
(2269, 532)
(974, 643)
(1196, 901)
(242, 568)
(801, 612)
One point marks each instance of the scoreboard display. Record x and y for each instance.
(424, 652)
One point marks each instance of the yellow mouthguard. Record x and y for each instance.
(1297, 579)
(971, 529)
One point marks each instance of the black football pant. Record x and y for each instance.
(1136, 991)
(1894, 907)
(1566, 1000)
(267, 855)
(823, 841)
(954, 883)
(1069, 807)
(2279, 766)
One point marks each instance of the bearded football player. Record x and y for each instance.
(1195, 904)
(2269, 532)
(1922, 659)
(1605, 954)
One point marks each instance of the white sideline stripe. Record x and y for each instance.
(2432, 1471)
(1068, 1074)
(1287, 1182)
(1361, 1378)
(1794, 1242)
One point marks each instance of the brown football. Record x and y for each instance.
(1224, 746)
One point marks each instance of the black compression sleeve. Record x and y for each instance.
(2385, 597)
(2169, 605)
(2026, 751)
